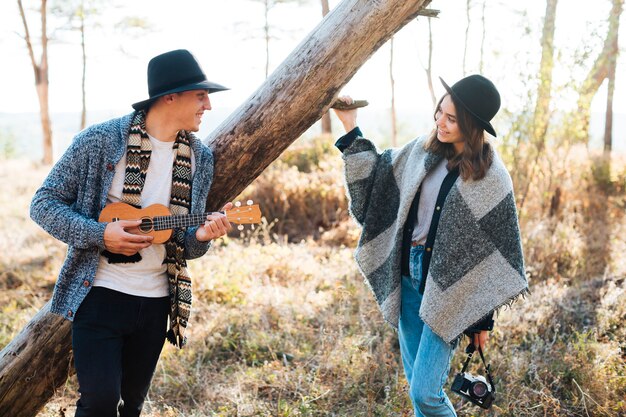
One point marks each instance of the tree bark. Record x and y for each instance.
(294, 97)
(467, 28)
(325, 8)
(608, 120)
(327, 127)
(482, 40)
(83, 114)
(266, 31)
(612, 64)
(429, 67)
(34, 364)
(542, 106)
(42, 88)
(392, 85)
(44, 112)
(598, 73)
(41, 77)
(541, 115)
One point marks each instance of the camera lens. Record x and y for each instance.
(479, 389)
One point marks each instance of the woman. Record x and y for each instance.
(440, 245)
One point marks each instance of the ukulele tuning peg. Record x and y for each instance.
(249, 202)
(240, 227)
(238, 204)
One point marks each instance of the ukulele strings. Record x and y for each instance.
(185, 220)
(172, 222)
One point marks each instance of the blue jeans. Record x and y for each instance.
(426, 357)
(117, 339)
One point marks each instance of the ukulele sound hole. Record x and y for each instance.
(146, 225)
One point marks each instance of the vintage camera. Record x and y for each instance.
(475, 388)
(478, 389)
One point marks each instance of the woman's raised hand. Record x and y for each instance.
(346, 117)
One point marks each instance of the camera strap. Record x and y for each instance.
(470, 349)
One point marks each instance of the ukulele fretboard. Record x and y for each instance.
(172, 222)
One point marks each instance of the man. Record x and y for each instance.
(116, 286)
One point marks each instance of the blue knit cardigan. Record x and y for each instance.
(71, 198)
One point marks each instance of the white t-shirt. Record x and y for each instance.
(428, 199)
(148, 277)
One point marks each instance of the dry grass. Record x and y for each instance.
(572, 214)
(289, 329)
(302, 193)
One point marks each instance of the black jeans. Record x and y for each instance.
(117, 339)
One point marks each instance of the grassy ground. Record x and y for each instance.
(287, 328)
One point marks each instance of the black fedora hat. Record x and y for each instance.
(175, 72)
(478, 96)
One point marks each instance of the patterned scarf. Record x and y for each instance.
(137, 160)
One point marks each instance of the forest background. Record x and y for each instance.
(282, 323)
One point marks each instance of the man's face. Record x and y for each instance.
(189, 106)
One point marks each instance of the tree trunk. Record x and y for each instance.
(467, 28)
(599, 72)
(327, 127)
(41, 77)
(608, 125)
(266, 30)
(42, 88)
(325, 8)
(34, 364)
(542, 106)
(392, 85)
(482, 40)
(83, 114)
(429, 68)
(44, 113)
(293, 98)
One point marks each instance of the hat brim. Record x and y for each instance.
(483, 123)
(209, 86)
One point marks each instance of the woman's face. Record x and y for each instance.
(448, 130)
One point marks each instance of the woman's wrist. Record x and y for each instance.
(349, 126)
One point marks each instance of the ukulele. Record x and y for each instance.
(158, 222)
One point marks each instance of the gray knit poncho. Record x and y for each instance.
(477, 264)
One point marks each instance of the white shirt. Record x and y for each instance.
(428, 199)
(148, 277)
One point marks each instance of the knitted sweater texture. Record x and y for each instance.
(70, 200)
(477, 264)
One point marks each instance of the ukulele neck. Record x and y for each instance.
(179, 221)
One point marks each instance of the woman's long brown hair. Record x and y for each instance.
(477, 155)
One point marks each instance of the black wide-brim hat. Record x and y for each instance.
(478, 96)
(175, 72)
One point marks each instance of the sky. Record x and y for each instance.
(225, 36)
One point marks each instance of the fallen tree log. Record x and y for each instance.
(34, 364)
(302, 89)
(38, 360)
